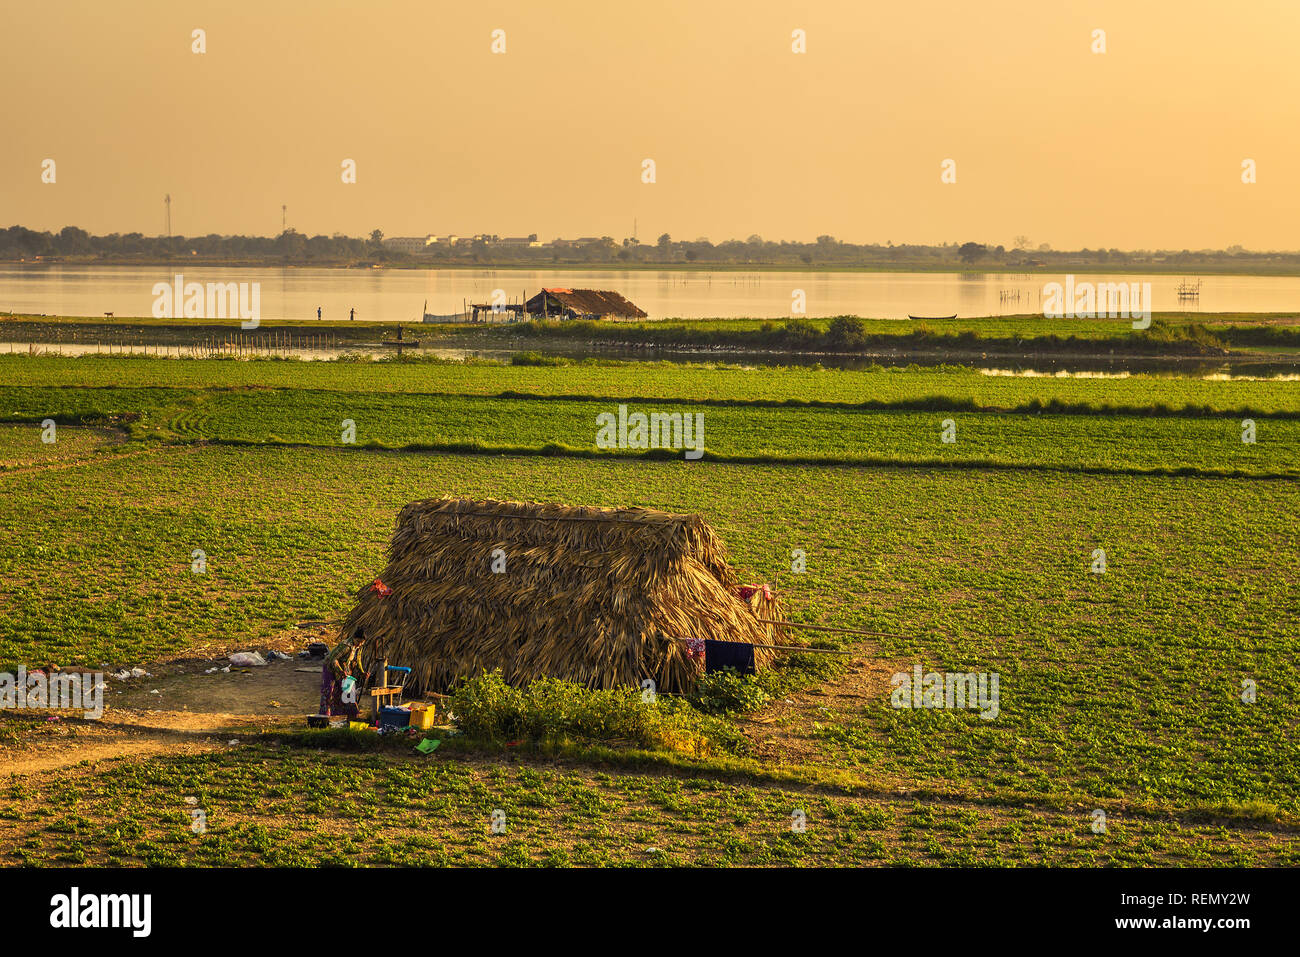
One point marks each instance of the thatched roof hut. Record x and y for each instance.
(592, 595)
(583, 304)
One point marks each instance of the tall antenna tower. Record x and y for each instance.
(284, 218)
(168, 201)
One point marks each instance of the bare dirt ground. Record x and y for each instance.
(783, 732)
(182, 710)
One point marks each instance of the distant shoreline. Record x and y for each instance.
(1093, 269)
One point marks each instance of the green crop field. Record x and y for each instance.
(953, 387)
(273, 809)
(1120, 691)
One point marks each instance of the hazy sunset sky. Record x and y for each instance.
(1139, 147)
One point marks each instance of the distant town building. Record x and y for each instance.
(407, 244)
(581, 241)
(419, 244)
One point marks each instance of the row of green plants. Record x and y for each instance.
(950, 386)
(108, 405)
(850, 334)
(1040, 436)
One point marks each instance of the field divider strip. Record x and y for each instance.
(100, 458)
(929, 403)
(734, 772)
(555, 450)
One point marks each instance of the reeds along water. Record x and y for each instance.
(601, 597)
(271, 344)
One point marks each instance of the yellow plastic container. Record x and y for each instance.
(358, 725)
(422, 716)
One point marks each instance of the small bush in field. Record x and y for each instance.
(725, 692)
(486, 707)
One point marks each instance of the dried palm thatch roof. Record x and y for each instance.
(590, 303)
(591, 595)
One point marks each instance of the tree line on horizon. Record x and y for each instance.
(73, 244)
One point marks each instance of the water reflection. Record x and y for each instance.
(399, 295)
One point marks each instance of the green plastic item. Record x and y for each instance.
(428, 745)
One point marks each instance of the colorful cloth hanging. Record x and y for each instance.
(746, 592)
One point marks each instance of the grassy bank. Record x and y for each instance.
(1172, 334)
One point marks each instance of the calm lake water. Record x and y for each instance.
(394, 295)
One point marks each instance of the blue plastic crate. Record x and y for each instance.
(391, 716)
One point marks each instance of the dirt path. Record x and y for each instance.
(184, 711)
(114, 450)
(783, 731)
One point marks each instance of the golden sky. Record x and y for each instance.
(1139, 147)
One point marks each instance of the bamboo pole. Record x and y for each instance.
(842, 631)
(817, 651)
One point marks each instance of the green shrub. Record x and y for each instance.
(846, 332)
(726, 692)
(799, 332)
(488, 708)
(538, 359)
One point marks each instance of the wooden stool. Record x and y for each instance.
(390, 692)
(384, 696)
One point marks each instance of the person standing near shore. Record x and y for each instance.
(353, 315)
(318, 313)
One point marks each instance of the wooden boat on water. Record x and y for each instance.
(933, 318)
